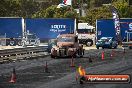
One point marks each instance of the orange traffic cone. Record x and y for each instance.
(13, 76)
(72, 63)
(102, 55)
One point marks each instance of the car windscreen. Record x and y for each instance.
(84, 31)
(31, 37)
(66, 39)
(105, 39)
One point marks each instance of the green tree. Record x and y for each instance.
(13, 8)
(123, 9)
(60, 12)
(9, 8)
(54, 12)
(71, 14)
(39, 14)
(104, 12)
(18, 8)
(3, 9)
(49, 13)
(29, 7)
(97, 13)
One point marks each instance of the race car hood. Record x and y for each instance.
(63, 44)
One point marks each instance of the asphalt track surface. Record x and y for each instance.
(31, 73)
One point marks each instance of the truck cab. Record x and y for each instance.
(67, 46)
(86, 34)
(30, 39)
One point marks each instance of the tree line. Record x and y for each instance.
(94, 9)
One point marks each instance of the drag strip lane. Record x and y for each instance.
(61, 74)
(113, 68)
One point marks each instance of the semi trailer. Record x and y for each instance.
(50, 28)
(10, 30)
(19, 31)
(106, 28)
